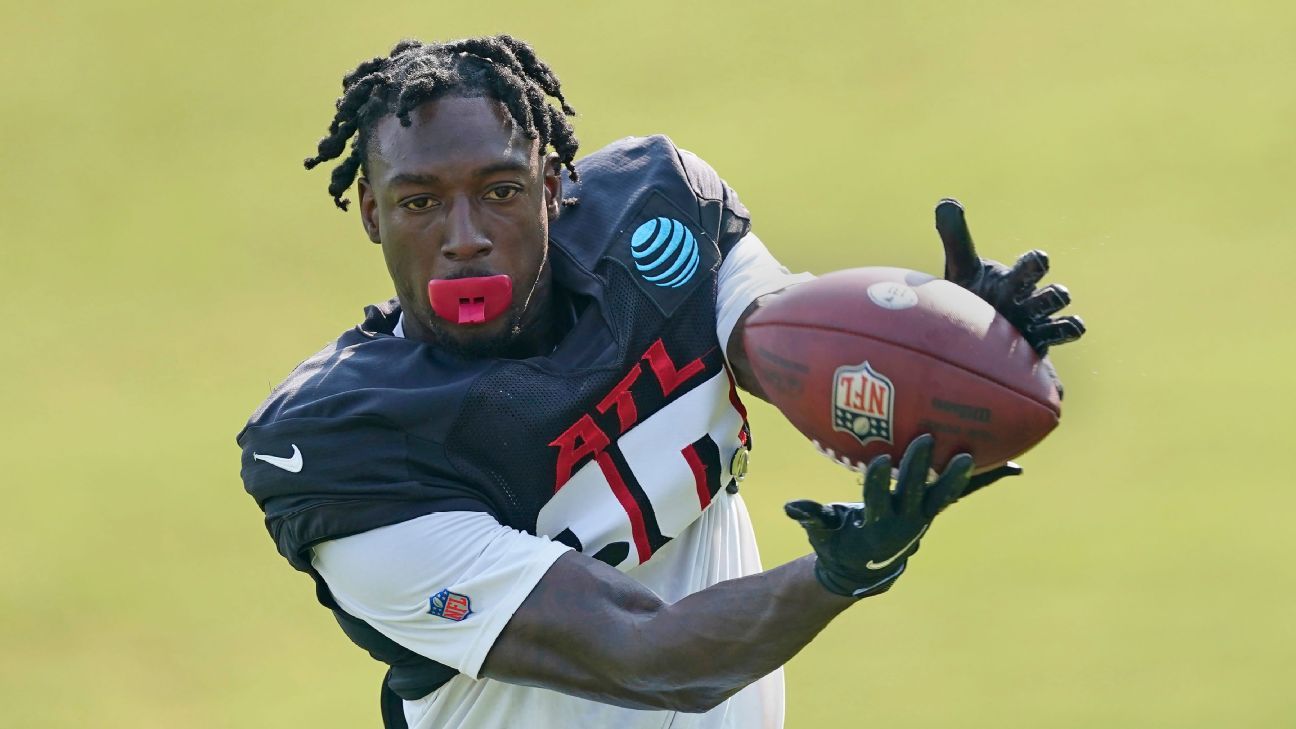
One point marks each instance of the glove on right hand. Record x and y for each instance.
(863, 548)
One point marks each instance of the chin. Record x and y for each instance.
(490, 339)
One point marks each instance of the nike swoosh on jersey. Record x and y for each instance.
(291, 464)
(879, 565)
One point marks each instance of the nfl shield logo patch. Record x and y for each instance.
(450, 605)
(862, 403)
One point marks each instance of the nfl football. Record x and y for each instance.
(864, 360)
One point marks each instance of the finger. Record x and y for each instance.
(1054, 332)
(1026, 272)
(958, 473)
(949, 486)
(981, 480)
(877, 489)
(812, 514)
(961, 262)
(913, 474)
(1046, 302)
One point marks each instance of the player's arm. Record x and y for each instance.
(748, 276)
(591, 631)
(588, 630)
(736, 352)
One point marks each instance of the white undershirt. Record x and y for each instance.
(388, 576)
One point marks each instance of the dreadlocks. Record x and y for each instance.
(499, 67)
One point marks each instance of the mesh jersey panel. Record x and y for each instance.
(514, 412)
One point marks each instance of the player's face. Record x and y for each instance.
(460, 192)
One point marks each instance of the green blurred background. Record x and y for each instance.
(166, 261)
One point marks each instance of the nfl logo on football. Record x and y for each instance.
(862, 403)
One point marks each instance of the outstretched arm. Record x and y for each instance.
(589, 630)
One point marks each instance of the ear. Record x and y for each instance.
(552, 173)
(369, 211)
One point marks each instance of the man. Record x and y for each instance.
(516, 482)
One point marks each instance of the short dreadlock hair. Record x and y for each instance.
(498, 67)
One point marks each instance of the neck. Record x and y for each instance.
(533, 330)
(539, 334)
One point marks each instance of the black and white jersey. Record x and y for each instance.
(621, 443)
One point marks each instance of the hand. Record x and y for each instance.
(863, 548)
(1011, 291)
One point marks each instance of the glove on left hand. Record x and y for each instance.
(1011, 291)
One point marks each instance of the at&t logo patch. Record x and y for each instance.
(665, 252)
(450, 605)
(863, 401)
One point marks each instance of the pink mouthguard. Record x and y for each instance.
(470, 300)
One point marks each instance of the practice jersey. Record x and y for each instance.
(623, 443)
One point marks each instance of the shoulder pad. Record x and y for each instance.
(616, 183)
(351, 441)
(368, 373)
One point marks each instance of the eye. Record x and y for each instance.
(502, 192)
(418, 204)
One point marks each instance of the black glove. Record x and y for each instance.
(863, 548)
(1011, 291)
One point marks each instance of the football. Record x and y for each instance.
(864, 360)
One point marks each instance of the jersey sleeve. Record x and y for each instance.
(443, 585)
(321, 478)
(748, 272)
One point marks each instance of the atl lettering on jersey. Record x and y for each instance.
(658, 392)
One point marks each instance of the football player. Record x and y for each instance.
(516, 482)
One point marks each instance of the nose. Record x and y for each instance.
(464, 237)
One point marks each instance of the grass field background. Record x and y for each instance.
(166, 260)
